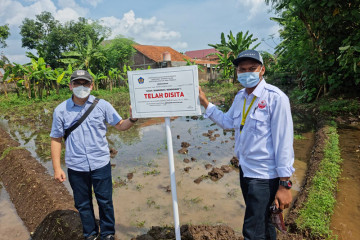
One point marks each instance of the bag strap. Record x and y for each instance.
(83, 117)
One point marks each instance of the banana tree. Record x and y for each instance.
(113, 74)
(84, 56)
(233, 47)
(17, 74)
(97, 78)
(41, 75)
(123, 76)
(57, 76)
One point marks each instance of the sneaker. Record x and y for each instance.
(93, 237)
(109, 237)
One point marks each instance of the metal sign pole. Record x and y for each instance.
(172, 177)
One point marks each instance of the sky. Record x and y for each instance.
(184, 25)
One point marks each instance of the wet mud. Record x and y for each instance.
(191, 233)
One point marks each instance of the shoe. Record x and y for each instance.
(109, 237)
(93, 237)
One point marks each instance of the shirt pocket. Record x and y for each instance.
(237, 120)
(97, 120)
(260, 122)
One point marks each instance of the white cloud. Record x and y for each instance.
(93, 3)
(255, 6)
(13, 12)
(144, 31)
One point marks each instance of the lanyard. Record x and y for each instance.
(244, 115)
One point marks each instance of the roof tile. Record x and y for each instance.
(156, 53)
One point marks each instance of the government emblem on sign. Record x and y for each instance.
(262, 104)
(141, 80)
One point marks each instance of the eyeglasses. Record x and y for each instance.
(85, 83)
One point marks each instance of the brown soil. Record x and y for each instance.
(34, 193)
(189, 232)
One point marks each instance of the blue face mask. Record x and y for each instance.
(249, 79)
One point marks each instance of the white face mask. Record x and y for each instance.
(81, 91)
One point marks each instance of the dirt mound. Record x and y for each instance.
(60, 225)
(188, 232)
(34, 193)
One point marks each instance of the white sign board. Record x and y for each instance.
(164, 92)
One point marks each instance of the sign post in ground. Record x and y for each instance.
(166, 92)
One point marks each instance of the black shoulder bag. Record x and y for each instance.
(83, 117)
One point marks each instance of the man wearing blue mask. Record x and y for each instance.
(261, 117)
(81, 121)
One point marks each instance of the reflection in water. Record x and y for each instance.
(11, 226)
(346, 218)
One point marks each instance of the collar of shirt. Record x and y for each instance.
(71, 103)
(257, 91)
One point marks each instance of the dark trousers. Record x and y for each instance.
(82, 184)
(258, 194)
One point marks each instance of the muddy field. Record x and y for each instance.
(142, 193)
(142, 181)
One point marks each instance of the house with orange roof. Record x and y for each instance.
(159, 57)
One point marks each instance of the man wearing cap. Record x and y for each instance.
(261, 117)
(87, 155)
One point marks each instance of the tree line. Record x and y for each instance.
(319, 48)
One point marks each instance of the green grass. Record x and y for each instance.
(339, 106)
(315, 216)
(299, 137)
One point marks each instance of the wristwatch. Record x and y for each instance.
(132, 120)
(287, 184)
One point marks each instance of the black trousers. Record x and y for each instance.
(258, 194)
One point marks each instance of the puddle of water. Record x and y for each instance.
(346, 218)
(11, 226)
